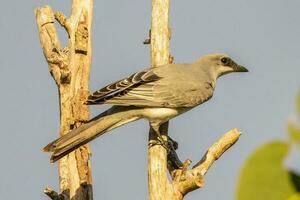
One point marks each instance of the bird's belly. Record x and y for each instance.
(162, 114)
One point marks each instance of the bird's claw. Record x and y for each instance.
(159, 141)
(167, 142)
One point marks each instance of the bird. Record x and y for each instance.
(157, 94)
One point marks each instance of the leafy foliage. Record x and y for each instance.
(264, 176)
(295, 197)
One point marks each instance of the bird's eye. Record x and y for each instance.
(225, 61)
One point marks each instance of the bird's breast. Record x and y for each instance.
(162, 114)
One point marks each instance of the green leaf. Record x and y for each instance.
(294, 132)
(294, 197)
(263, 175)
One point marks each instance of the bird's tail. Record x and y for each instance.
(110, 119)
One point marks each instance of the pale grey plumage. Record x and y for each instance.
(172, 87)
(157, 94)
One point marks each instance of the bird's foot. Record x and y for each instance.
(160, 140)
(167, 142)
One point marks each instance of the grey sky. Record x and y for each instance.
(262, 35)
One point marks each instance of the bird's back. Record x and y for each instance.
(172, 85)
(183, 85)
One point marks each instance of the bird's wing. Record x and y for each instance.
(160, 95)
(140, 95)
(164, 93)
(165, 86)
(122, 86)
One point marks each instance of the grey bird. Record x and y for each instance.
(157, 94)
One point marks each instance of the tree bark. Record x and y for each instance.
(158, 184)
(70, 68)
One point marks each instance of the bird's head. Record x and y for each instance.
(219, 64)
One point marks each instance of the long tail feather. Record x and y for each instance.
(113, 118)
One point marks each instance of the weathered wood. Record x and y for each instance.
(70, 68)
(185, 181)
(158, 184)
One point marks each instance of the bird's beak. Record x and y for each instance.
(240, 68)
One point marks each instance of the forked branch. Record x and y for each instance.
(185, 180)
(70, 68)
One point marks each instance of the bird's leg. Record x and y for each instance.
(166, 141)
(160, 139)
(169, 144)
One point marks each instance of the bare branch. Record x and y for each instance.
(70, 68)
(63, 21)
(215, 151)
(50, 43)
(189, 180)
(158, 183)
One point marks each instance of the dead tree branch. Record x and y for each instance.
(159, 44)
(185, 181)
(70, 68)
